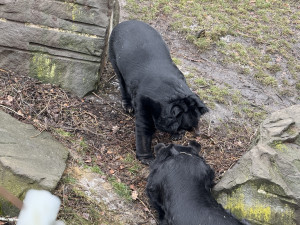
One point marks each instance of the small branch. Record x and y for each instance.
(11, 198)
(5, 107)
(148, 210)
(4, 219)
(110, 79)
(79, 129)
(3, 70)
(38, 134)
(44, 108)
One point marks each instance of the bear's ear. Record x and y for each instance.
(195, 145)
(158, 147)
(174, 151)
(200, 105)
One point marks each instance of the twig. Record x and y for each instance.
(79, 129)
(44, 108)
(148, 209)
(111, 78)
(38, 134)
(208, 129)
(5, 107)
(3, 70)
(11, 198)
(85, 129)
(4, 219)
(92, 115)
(254, 134)
(194, 60)
(113, 106)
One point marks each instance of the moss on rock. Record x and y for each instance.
(260, 202)
(44, 68)
(18, 186)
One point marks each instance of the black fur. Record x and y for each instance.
(179, 188)
(151, 84)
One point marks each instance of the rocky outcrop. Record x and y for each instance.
(103, 193)
(264, 185)
(28, 160)
(57, 41)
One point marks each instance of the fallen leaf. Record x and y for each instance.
(111, 171)
(134, 195)
(86, 216)
(88, 160)
(109, 152)
(115, 129)
(146, 209)
(10, 98)
(20, 113)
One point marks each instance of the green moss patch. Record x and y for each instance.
(260, 202)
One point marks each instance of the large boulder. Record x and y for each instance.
(29, 159)
(62, 42)
(264, 185)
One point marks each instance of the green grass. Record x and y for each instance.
(88, 212)
(68, 179)
(120, 188)
(176, 61)
(63, 133)
(96, 169)
(83, 144)
(298, 85)
(261, 31)
(133, 165)
(213, 94)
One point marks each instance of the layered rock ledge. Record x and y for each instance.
(264, 185)
(57, 41)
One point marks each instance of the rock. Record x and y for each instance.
(264, 185)
(102, 192)
(28, 160)
(62, 42)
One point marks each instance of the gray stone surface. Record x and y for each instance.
(57, 41)
(28, 158)
(264, 186)
(102, 192)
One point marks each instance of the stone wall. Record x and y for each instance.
(57, 41)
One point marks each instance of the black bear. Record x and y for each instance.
(151, 85)
(179, 188)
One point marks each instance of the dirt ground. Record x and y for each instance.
(101, 137)
(99, 134)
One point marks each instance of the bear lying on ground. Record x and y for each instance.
(179, 188)
(151, 85)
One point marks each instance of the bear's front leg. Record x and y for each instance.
(144, 129)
